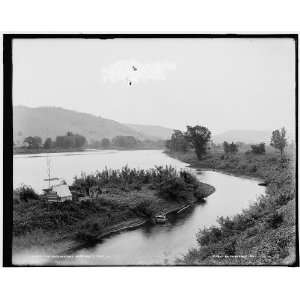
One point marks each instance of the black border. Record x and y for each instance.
(8, 123)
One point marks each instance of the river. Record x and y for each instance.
(150, 245)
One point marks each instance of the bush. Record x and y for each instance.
(208, 236)
(258, 148)
(144, 209)
(274, 219)
(173, 189)
(253, 168)
(26, 193)
(89, 232)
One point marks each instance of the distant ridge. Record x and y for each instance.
(53, 121)
(153, 131)
(245, 136)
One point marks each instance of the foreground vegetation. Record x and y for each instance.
(266, 232)
(262, 234)
(125, 198)
(76, 142)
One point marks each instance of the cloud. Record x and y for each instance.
(133, 71)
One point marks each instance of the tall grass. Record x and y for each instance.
(170, 183)
(88, 219)
(262, 234)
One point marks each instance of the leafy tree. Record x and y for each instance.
(199, 136)
(48, 143)
(80, 140)
(230, 148)
(33, 142)
(178, 142)
(278, 140)
(258, 149)
(105, 143)
(125, 141)
(70, 140)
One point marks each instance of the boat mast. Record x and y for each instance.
(48, 170)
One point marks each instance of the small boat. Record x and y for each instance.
(160, 219)
(183, 209)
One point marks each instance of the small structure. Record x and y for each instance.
(160, 219)
(58, 193)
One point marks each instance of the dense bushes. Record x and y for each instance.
(230, 148)
(171, 184)
(122, 195)
(24, 193)
(262, 234)
(144, 209)
(258, 149)
(89, 232)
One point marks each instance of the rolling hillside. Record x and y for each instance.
(152, 131)
(245, 136)
(53, 121)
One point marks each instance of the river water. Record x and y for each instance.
(151, 245)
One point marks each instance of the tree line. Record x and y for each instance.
(126, 142)
(67, 141)
(75, 141)
(198, 138)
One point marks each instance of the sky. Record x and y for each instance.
(223, 84)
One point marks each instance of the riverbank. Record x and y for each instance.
(42, 150)
(240, 164)
(263, 234)
(128, 199)
(60, 150)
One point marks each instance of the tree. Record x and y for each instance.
(178, 142)
(199, 136)
(105, 143)
(79, 140)
(125, 141)
(33, 142)
(278, 140)
(70, 140)
(230, 148)
(258, 149)
(48, 143)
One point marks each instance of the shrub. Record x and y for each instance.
(230, 148)
(89, 232)
(144, 209)
(208, 236)
(274, 219)
(26, 193)
(253, 168)
(173, 189)
(258, 148)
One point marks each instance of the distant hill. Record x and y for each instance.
(152, 131)
(246, 136)
(53, 121)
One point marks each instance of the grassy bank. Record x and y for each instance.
(61, 150)
(42, 150)
(126, 198)
(265, 233)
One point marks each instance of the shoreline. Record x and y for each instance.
(119, 228)
(127, 218)
(200, 166)
(52, 151)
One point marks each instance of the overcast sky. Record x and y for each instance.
(220, 83)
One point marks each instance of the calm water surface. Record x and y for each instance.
(160, 244)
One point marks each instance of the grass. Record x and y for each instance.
(263, 234)
(123, 196)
